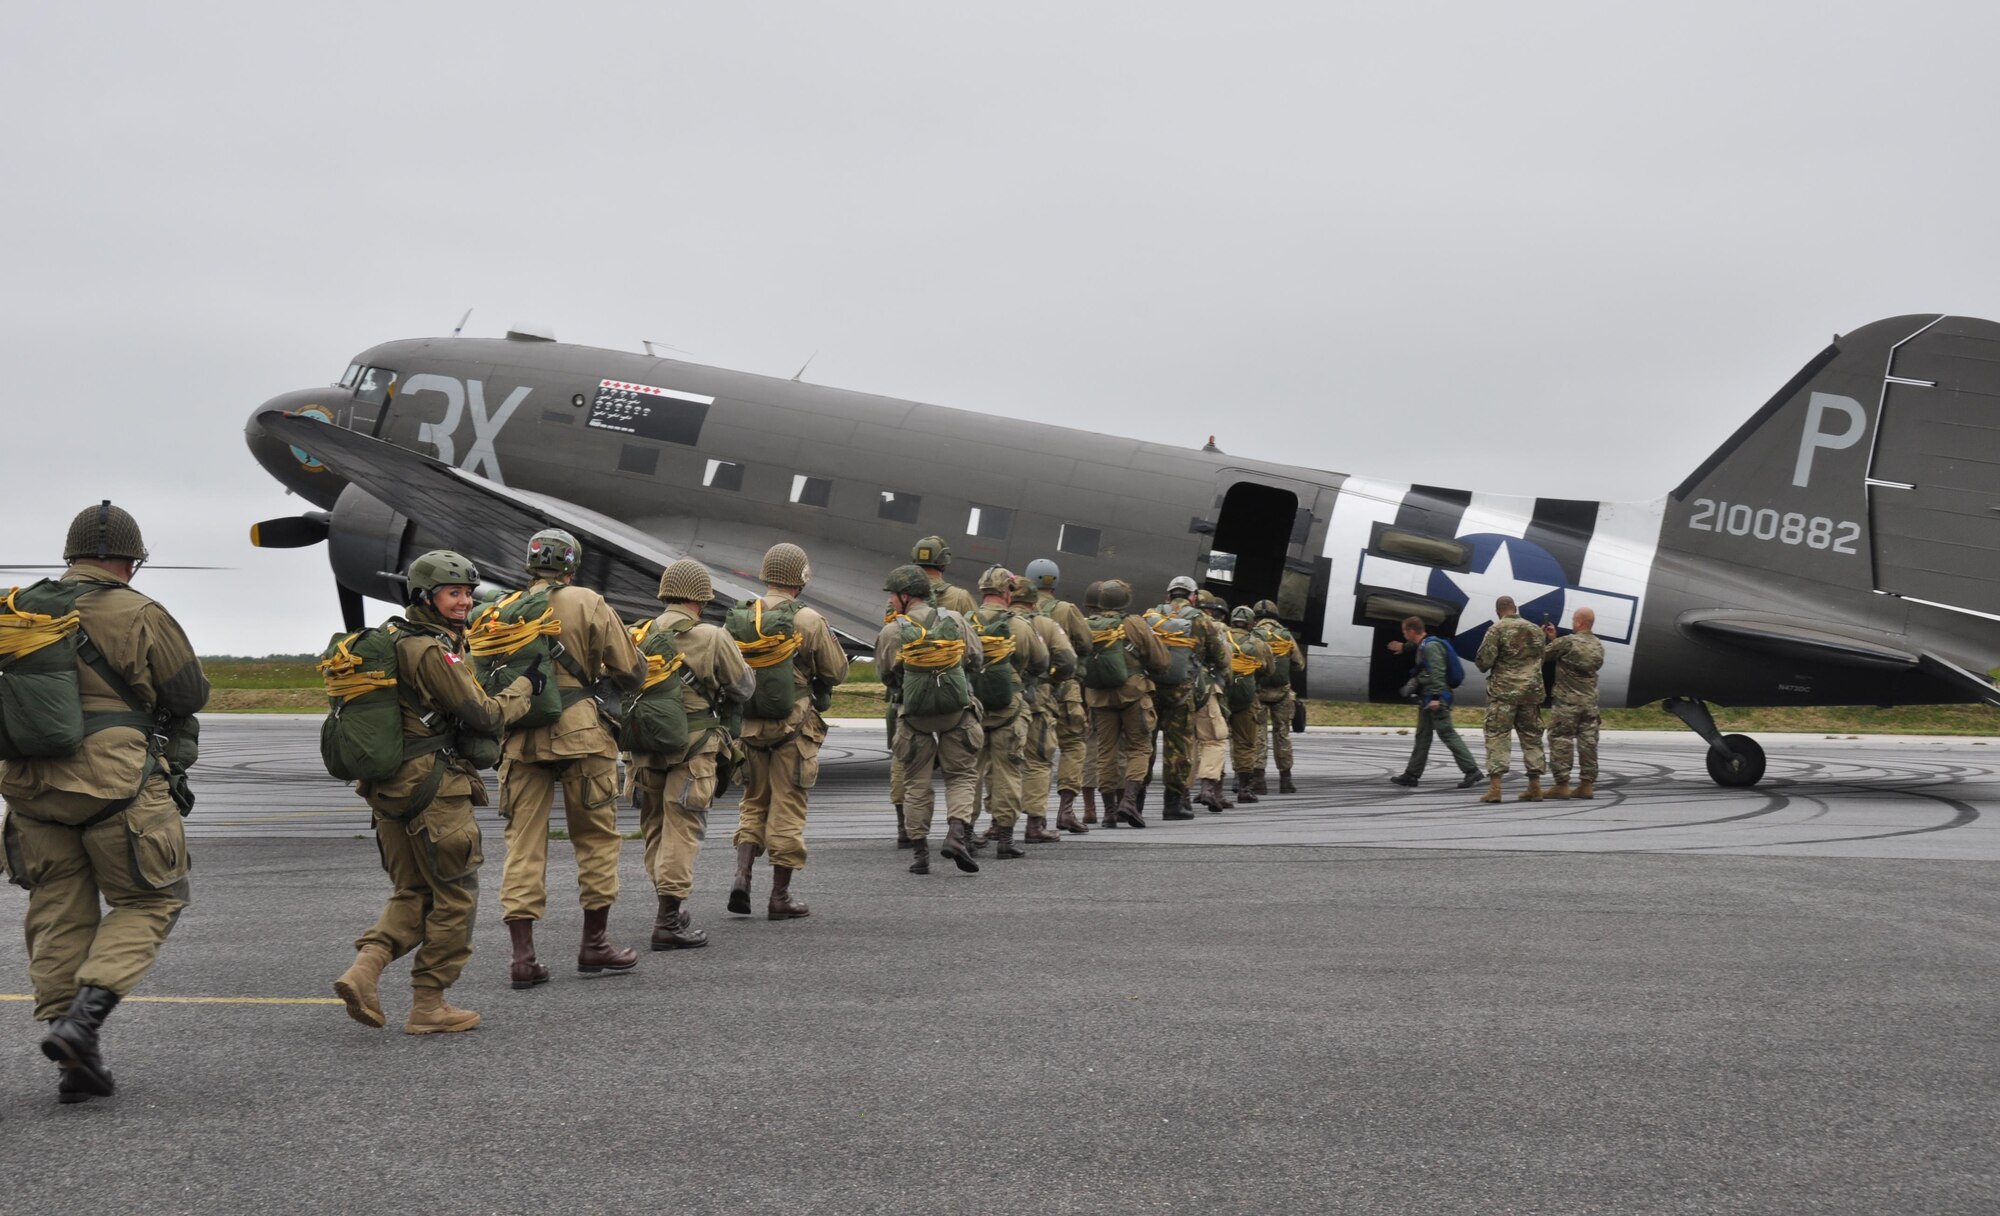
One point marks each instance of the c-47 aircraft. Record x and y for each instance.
(1836, 550)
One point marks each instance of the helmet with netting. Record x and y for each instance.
(686, 579)
(104, 531)
(908, 580)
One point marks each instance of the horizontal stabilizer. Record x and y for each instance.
(1814, 641)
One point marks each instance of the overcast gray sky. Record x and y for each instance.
(1413, 240)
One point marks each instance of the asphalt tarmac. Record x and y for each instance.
(1675, 999)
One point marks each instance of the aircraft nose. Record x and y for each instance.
(294, 468)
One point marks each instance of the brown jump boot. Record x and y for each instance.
(739, 891)
(1534, 791)
(1285, 785)
(1244, 794)
(597, 953)
(1089, 804)
(1108, 799)
(357, 985)
(902, 833)
(1561, 789)
(1003, 840)
(1038, 831)
(1130, 806)
(920, 863)
(673, 928)
(955, 848)
(783, 905)
(1257, 782)
(1066, 815)
(1492, 793)
(524, 971)
(430, 1013)
(1587, 790)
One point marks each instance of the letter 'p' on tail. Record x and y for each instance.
(1877, 467)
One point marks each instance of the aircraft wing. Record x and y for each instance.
(491, 523)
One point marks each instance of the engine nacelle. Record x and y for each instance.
(366, 543)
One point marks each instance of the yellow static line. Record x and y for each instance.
(209, 1000)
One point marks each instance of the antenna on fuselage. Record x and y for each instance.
(649, 345)
(461, 323)
(803, 366)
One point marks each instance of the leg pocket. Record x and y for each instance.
(17, 866)
(454, 846)
(808, 760)
(158, 845)
(692, 785)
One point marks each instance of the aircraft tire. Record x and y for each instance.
(1744, 766)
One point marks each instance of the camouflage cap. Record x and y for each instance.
(1044, 573)
(1021, 590)
(1114, 594)
(1242, 616)
(686, 579)
(440, 568)
(1265, 608)
(104, 531)
(998, 580)
(908, 580)
(785, 565)
(553, 549)
(931, 551)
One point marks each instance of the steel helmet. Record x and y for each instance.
(908, 580)
(998, 580)
(1181, 587)
(553, 549)
(686, 579)
(1264, 608)
(439, 568)
(1021, 590)
(104, 531)
(931, 551)
(1090, 597)
(1043, 573)
(1211, 602)
(1114, 594)
(1243, 616)
(785, 565)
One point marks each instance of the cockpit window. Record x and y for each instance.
(347, 377)
(372, 386)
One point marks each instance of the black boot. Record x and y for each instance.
(673, 928)
(72, 1040)
(1285, 785)
(1176, 807)
(902, 833)
(920, 861)
(1003, 843)
(1257, 782)
(739, 892)
(955, 847)
(1129, 805)
(1244, 794)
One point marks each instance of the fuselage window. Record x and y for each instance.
(990, 523)
(723, 475)
(899, 507)
(811, 491)
(635, 458)
(1077, 539)
(372, 387)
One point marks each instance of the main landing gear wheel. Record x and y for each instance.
(1744, 765)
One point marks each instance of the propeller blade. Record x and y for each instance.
(149, 566)
(290, 532)
(353, 613)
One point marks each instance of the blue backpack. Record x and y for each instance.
(1454, 670)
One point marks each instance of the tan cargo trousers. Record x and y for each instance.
(433, 862)
(1003, 766)
(590, 813)
(1121, 741)
(1246, 738)
(772, 815)
(1038, 757)
(1211, 739)
(1278, 717)
(952, 746)
(673, 817)
(137, 861)
(1072, 726)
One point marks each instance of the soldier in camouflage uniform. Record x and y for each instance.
(1573, 723)
(1211, 728)
(1251, 659)
(1174, 704)
(1072, 724)
(1280, 702)
(1044, 694)
(1511, 657)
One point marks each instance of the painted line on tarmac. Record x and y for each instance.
(208, 1000)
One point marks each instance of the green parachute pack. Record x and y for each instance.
(1279, 639)
(768, 638)
(656, 721)
(932, 669)
(1111, 661)
(1176, 630)
(999, 681)
(362, 737)
(42, 644)
(506, 637)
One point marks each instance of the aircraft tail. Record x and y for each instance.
(1877, 467)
